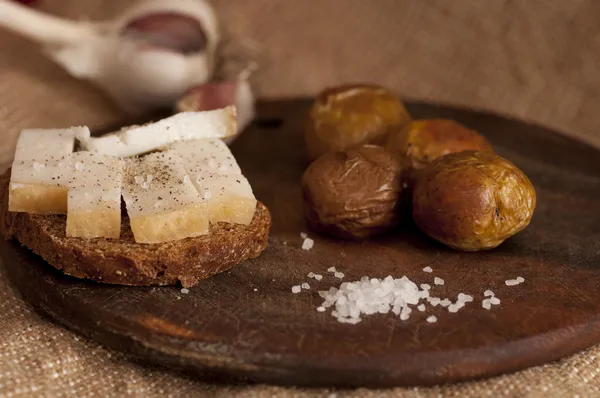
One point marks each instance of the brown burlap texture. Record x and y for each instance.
(532, 59)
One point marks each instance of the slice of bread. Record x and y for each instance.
(122, 261)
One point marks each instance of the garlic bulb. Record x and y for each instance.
(147, 58)
(221, 93)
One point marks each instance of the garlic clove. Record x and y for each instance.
(163, 64)
(208, 97)
(136, 78)
(176, 17)
(139, 80)
(216, 95)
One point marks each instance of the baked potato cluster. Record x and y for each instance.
(372, 162)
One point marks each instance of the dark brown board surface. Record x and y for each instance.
(246, 324)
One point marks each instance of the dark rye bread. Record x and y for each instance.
(125, 262)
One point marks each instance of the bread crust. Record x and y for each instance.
(125, 262)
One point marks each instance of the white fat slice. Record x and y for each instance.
(184, 126)
(211, 155)
(229, 197)
(109, 144)
(94, 197)
(38, 180)
(45, 145)
(162, 203)
(38, 187)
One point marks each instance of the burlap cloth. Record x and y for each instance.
(534, 59)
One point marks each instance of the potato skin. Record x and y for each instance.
(353, 194)
(422, 141)
(472, 200)
(348, 116)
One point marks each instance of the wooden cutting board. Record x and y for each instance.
(246, 324)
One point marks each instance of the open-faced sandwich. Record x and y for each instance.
(148, 205)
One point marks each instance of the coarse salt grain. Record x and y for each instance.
(520, 279)
(494, 300)
(331, 269)
(339, 275)
(404, 316)
(455, 307)
(438, 281)
(486, 303)
(185, 291)
(432, 319)
(305, 286)
(303, 235)
(434, 301)
(511, 282)
(425, 286)
(421, 307)
(488, 293)
(321, 309)
(296, 289)
(308, 244)
(445, 302)
(212, 163)
(427, 269)
(465, 298)
(315, 276)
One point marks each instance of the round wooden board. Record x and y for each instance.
(246, 324)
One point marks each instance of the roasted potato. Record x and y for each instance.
(472, 200)
(353, 194)
(352, 115)
(422, 141)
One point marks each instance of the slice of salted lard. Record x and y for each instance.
(38, 183)
(162, 203)
(137, 140)
(229, 197)
(217, 176)
(210, 155)
(44, 145)
(94, 201)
